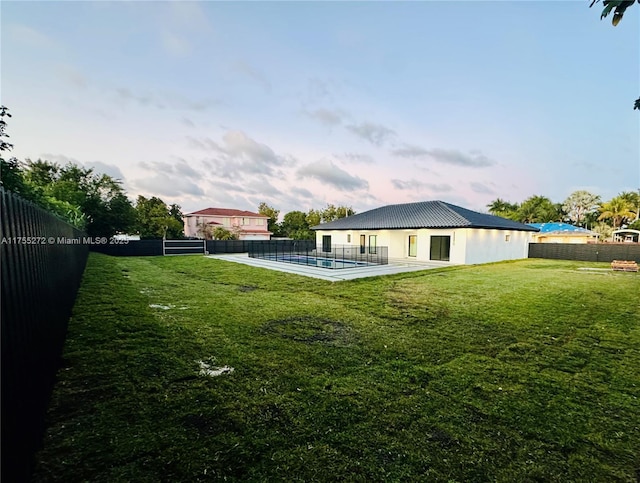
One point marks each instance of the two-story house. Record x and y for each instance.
(246, 224)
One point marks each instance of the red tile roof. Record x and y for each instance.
(226, 212)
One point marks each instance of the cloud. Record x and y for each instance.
(98, 166)
(327, 116)
(473, 159)
(183, 168)
(204, 143)
(72, 75)
(223, 185)
(356, 158)
(175, 45)
(163, 101)
(419, 185)
(481, 188)
(376, 134)
(104, 168)
(30, 36)
(240, 154)
(328, 173)
(180, 168)
(167, 184)
(253, 74)
(409, 151)
(188, 16)
(170, 179)
(317, 90)
(301, 192)
(263, 187)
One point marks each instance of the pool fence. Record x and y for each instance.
(328, 256)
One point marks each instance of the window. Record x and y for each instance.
(363, 242)
(348, 238)
(413, 245)
(440, 248)
(326, 243)
(226, 221)
(507, 238)
(372, 244)
(246, 221)
(260, 222)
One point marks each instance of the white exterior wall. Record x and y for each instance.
(484, 246)
(468, 245)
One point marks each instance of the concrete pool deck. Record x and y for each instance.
(332, 275)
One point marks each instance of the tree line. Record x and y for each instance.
(581, 208)
(90, 201)
(297, 224)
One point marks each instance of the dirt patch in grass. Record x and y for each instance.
(311, 330)
(247, 288)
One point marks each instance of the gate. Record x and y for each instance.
(184, 247)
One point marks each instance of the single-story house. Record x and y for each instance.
(248, 225)
(430, 230)
(563, 233)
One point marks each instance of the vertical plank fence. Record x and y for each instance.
(41, 269)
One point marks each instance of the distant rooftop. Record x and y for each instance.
(562, 229)
(423, 214)
(225, 212)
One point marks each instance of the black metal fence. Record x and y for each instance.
(42, 261)
(130, 248)
(230, 246)
(333, 256)
(596, 252)
(142, 248)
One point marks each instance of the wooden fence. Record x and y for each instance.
(42, 261)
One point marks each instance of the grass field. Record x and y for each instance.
(522, 371)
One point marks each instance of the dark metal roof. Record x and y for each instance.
(424, 214)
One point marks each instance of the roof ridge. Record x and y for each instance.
(451, 207)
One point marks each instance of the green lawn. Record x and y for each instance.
(522, 371)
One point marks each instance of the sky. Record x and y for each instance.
(301, 104)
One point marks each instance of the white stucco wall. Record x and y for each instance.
(484, 246)
(468, 245)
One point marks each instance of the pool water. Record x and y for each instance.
(316, 261)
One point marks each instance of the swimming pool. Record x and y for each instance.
(316, 261)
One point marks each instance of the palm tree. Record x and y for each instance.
(633, 199)
(539, 209)
(499, 207)
(617, 209)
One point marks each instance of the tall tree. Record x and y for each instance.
(11, 175)
(99, 197)
(294, 225)
(314, 217)
(269, 211)
(539, 209)
(155, 219)
(616, 210)
(633, 199)
(618, 7)
(332, 212)
(500, 207)
(4, 145)
(579, 204)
